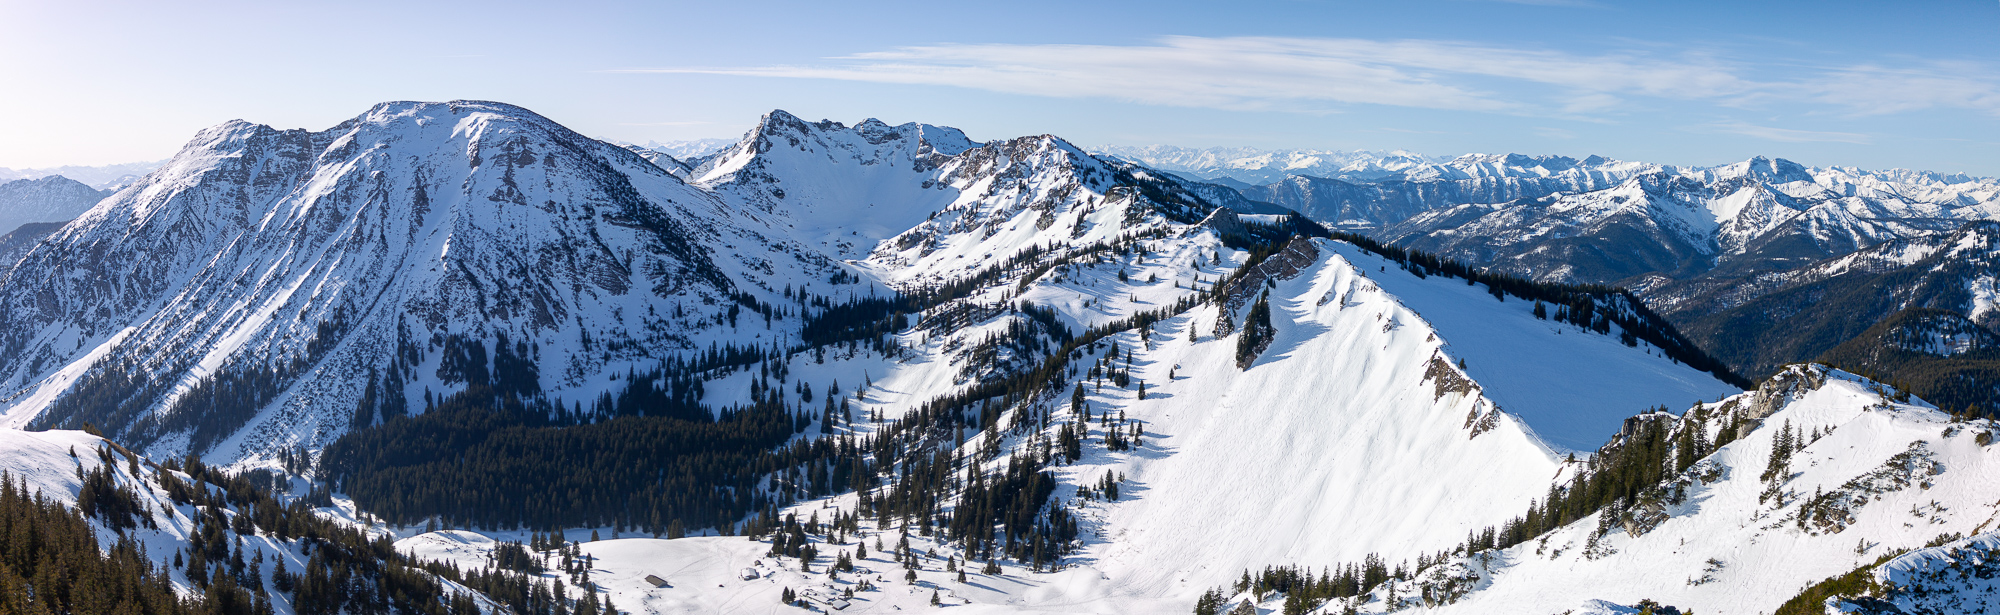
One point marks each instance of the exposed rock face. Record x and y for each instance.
(1284, 265)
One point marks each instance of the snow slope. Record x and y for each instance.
(52, 463)
(361, 250)
(338, 255)
(1352, 417)
(1955, 577)
(1531, 367)
(1873, 476)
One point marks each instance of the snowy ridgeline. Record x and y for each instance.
(1872, 486)
(1354, 410)
(1241, 469)
(1323, 408)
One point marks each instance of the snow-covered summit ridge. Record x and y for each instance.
(1815, 474)
(874, 190)
(354, 264)
(1353, 414)
(321, 254)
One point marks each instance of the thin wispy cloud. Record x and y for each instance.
(665, 123)
(1326, 74)
(1873, 90)
(1784, 134)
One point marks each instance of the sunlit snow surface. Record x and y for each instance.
(1336, 426)
(1337, 442)
(1573, 386)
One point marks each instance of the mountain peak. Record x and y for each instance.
(1773, 170)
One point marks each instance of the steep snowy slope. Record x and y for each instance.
(1859, 475)
(1530, 366)
(379, 259)
(891, 193)
(1116, 387)
(839, 188)
(1955, 577)
(1354, 414)
(1297, 458)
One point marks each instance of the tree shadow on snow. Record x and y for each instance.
(1290, 338)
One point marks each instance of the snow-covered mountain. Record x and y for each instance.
(1236, 468)
(1052, 381)
(686, 150)
(1256, 166)
(52, 198)
(16, 244)
(1815, 475)
(324, 264)
(364, 261)
(1378, 389)
(1370, 203)
(1761, 214)
(1594, 220)
(1917, 311)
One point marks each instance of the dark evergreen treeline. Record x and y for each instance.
(500, 462)
(216, 405)
(1587, 306)
(650, 458)
(1256, 333)
(115, 391)
(347, 571)
(1303, 590)
(1630, 469)
(51, 562)
(1005, 513)
(1271, 237)
(1898, 351)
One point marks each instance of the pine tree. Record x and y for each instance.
(1781, 453)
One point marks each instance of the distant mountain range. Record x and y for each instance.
(870, 367)
(103, 177)
(1708, 246)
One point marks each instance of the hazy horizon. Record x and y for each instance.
(1698, 84)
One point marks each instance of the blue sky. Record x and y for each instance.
(1876, 85)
